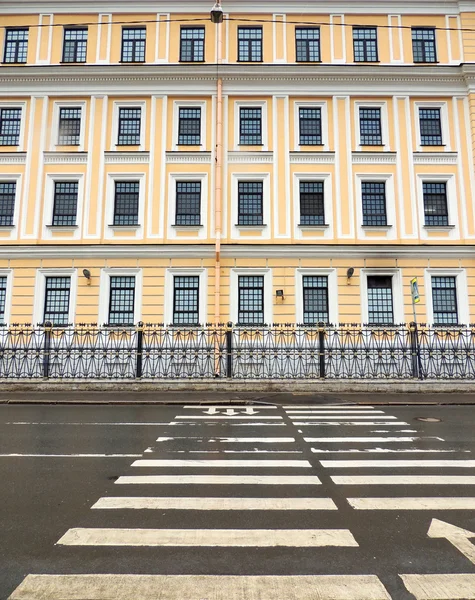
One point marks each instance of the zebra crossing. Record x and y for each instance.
(204, 481)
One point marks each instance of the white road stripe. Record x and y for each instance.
(70, 455)
(332, 406)
(220, 479)
(334, 412)
(436, 503)
(441, 587)
(345, 416)
(308, 538)
(231, 440)
(246, 424)
(227, 417)
(255, 451)
(229, 464)
(383, 464)
(159, 503)
(366, 439)
(352, 423)
(82, 424)
(403, 479)
(385, 450)
(178, 587)
(230, 406)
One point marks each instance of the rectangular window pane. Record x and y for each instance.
(365, 44)
(307, 41)
(186, 300)
(250, 126)
(435, 203)
(3, 297)
(444, 300)
(188, 203)
(250, 199)
(250, 44)
(122, 300)
(133, 44)
(65, 202)
(57, 291)
(69, 133)
(312, 210)
(373, 195)
(380, 300)
(75, 45)
(431, 129)
(315, 299)
(192, 44)
(251, 300)
(7, 202)
(129, 126)
(423, 45)
(16, 46)
(189, 127)
(10, 123)
(310, 123)
(370, 127)
(126, 206)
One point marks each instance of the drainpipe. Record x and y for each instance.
(218, 184)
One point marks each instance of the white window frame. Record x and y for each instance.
(114, 146)
(461, 292)
(398, 296)
(54, 141)
(265, 178)
(8, 273)
(262, 104)
(202, 229)
(170, 274)
(48, 228)
(450, 180)
(444, 123)
(332, 276)
(21, 140)
(268, 292)
(40, 291)
(110, 203)
(104, 296)
(323, 106)
(384, 124)
(388, 231)
(327, 203)
(177, 104)
(17, 178)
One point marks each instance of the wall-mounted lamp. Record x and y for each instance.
(349, 275)
(217, 13)
(87, 275)
(279, 294)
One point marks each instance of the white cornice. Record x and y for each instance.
(188, 157)
(126, 157)
(65, 157)
(388, 158)
(429, 158)
(9, 158)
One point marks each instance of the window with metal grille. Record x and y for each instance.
(307, 41)
(10, 125)
(75, 45)
(7, 202)
(250, 44)
(57, 291)
(69, 130)
(373, 196)
(250, 202)
(122, 300)
(380, 300)
(3, 298)
(133, 44)
(444, 300)
(126, 205)
(188, 203)
(16, 46)
(365, 44)
(189, 126)
(370, 127)
(423, 45)
(129, 126)
(312, 208)
(192, 44)
(430, 125)
(435, 203)
(310, 126)
(65, 202)
(251, 300)
(250, 126)
(186, 300)
(315, 299)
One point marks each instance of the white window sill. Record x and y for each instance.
(376, 227)
(314, 227)
(122, 227)
(438, 227)
(251, 227)
(62, 227)
(186, 227)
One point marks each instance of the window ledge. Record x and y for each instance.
(122, 227)
(7, 227)
(314, 227)
(376, 227)
(439, 227)
(63, 227)
(186, 227)
(433, 146)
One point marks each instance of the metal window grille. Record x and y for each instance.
(430, 125)
(16, 46)
(315, 299)
(69, 131)
(423, 45)
(10, 124)
(444, 300)
(57, 292)
(365, 44)
(188, 203)
(122, 300)
(380, 300)
(373, 195)
(435, 203)
(251, 300)
(250, 202)
(189, 126)
(370, 127)
(65, 202)
(126, 205)
(129, 126)
(307, 41)
(310, 125)
(312, 209)
(7, 202)
(186, 300)
(133, 44)
(3, 297)
(250, 44)
(192, 44)
(250, 126)
(75, 45)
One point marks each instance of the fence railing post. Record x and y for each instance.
(48, 327)
(321, 348)
(229, 350)
(138, 370)
(415, 350)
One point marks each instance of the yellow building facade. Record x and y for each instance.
(288, 165)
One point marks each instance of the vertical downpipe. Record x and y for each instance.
(218, 189)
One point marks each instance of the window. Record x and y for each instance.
(370, 127)
(250, 126)
(310, 124)
(189, 126)
(444, 300)
(57, 293)
(250, 199)
(423, 45)
(7, 202)
(430, 126)
(129, 126)
(315, 299)
(251, 300)
(307, 41)
(188, 203)
(373, 196)
(435, 203)
(133, 44)
(192, 44)
(380, 300)
(10, 123)
(69, 131)
(126, 203)
(250, 44)
(121, 300)
(186, 300)
(3, 298)
(16, 46)
(65, 203)
(312, 211)
(365, 44)
(75, 45)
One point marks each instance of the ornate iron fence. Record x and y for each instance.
(274, 352)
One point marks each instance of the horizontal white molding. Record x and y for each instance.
(65, 157)
(430, 158)
(387, 158)
(10, 158)
(250, 157)
(199, 503)
(188, 157)
(312, 157)
(126, 157)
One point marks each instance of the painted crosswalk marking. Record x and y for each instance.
(332, 406)
(346, 416)
(199, 503)
(371, 440)
(352, 423)
(434, 503)
(403, 479)
(460, 586)
(227, 406)
(220, 479)
(227, 417)
(227, 464)
(231, 440)
(334, 412)
(396, 464)
(385, 451)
